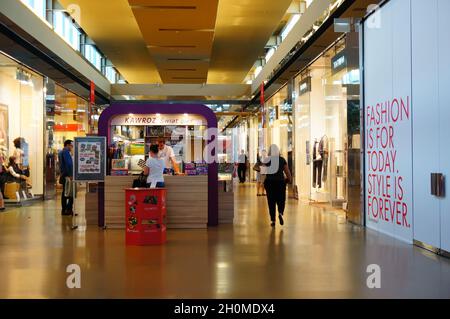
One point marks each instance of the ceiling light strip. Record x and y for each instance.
(184, 30)
(187, 59)
(164, 7)
(171, 46)
(188, 78)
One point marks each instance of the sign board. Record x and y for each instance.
(305, 86)
(91, 103)
(339, 62)
(159, 119)
(388, 122)
(90, 159)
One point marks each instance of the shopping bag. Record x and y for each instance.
(11, 189)
(140, 182)
(68, 188)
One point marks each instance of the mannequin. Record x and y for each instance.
(317, 165)
(324, 152)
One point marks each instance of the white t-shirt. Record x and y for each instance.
(19, 154)
(263, 167)
(166, 154)
(156, 167)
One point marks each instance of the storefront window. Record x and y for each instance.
(240, 140)
(279, 123)
(21, 119)
(67, 118)
(327, 125)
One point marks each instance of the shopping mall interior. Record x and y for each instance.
(224, 149)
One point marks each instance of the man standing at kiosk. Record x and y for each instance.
(166, 152)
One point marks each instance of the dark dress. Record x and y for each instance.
(275, 185)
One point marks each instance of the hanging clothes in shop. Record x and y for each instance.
(324, 153)
(317, 165)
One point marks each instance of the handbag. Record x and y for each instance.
(68, 187)
(257, 167)
(140, 182)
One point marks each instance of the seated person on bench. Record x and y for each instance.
(16, 174)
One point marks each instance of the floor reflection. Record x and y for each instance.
(314, 255)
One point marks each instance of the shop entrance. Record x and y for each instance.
(327, 130)
(66, 118)
(21, 132)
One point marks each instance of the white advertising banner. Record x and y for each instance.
(388, 118)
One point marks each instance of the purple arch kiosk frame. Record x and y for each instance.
(198, 109)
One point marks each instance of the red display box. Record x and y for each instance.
(145, 216)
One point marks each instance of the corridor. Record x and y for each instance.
(315, 255)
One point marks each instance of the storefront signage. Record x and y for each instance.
(388, 131)
(339, 62)
(91, 103)
(263, 109)
(158, 119)
(90, 158)
(68, 127)
(305, 86)
(387, 196)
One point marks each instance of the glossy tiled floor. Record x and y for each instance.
(316, 254)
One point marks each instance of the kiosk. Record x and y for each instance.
(129, 128)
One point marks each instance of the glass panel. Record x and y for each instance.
(279, 131)
(21, 122)
(66, 29)
(111, 74)
(93, 56)
(37, 6)
(302, 142)
(327, 127)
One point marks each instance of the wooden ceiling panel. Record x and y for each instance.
(243, 28)
(151, 41)
(178, 29)
(111, 24)
(188, 40)
(172, 14)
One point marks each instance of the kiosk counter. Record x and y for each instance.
(187, 201)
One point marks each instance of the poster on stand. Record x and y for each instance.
(90, 159)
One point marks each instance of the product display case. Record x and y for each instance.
(132, 143)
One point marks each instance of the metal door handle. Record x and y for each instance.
(438, 184)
